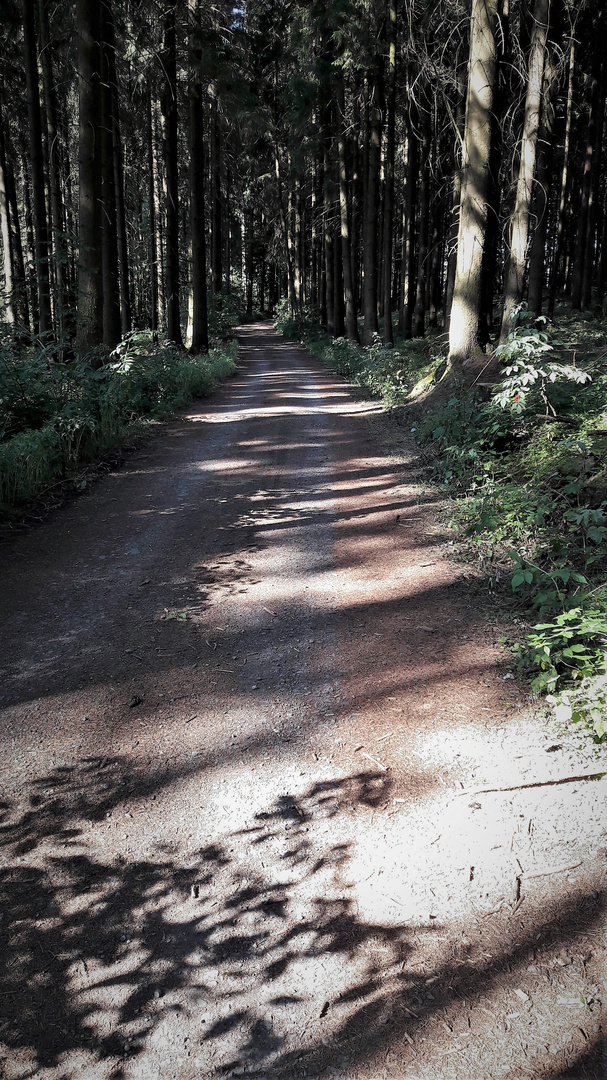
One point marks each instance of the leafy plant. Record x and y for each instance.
(56, 415)
(529, 372)
(584, 704)
(571, 646)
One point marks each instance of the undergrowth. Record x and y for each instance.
(57, 413)
(526, 473)
(394, 374)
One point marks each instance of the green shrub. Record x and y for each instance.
(56, 415)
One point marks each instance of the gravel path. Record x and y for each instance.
(252, 731)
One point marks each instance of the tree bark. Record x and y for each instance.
(560, 234)
(389, 173)
(20, 298)
(118, 163)
(55, 185)
(455, 201)
(338, 287)
(537, 252)
(152, 198)
(482, 63)
(351, 325)
(419, 313)
(590, 163)
(327, 143)
(593, 201)
(217, 203)
(5, 230)
(90, 282)
(170, 148)
(37, 167)
(371, 325)
(200, 331)
(109, 248)
(407, 284)
(513, 290)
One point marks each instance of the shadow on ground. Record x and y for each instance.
(99, 955)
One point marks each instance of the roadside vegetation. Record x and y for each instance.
(523, 460)
(61, 409)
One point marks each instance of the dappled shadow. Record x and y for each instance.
(249, 950)
(252, 944)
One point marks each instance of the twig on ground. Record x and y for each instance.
(535, 784)
(375, 761)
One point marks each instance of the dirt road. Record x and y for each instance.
(252, 732)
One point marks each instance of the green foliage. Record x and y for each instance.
(584, 704)
(224, 313)
(55, 414)
(525, 492)
(527, 379)
(387, 372)
(569, 647)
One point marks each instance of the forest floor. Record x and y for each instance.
(270, 807)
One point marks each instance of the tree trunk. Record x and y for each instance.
(297, 243)
(90, 282)
(109, 249)
(37, 167)
(285, 232)
(493, 248)
(118, 164)
(249, 266)
(5, 229)
(228, 220)
(200, 332)
(560, 234)
(338, 287)
(55, 185)
(20, 299)
(407, 282)
(217, 206)
(593, 201)
(419, 313)
(327, 143)
(513, 289)
(455, 202)
(31, 283)
(389, 173)
(351, 325)
(152, 199)
(590, 164)
(537, 253)
(170, 146)
(371, 203)
(482, 63)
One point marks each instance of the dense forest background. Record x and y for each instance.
(436, 161)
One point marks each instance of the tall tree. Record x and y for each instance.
(466, 306)
(200, 331)
(370, 231)
(109, 219)
(389, 172)
(90, 280)
(519, 235)
(5, 230)
(37, 167)
(171, 158)
(350, 315)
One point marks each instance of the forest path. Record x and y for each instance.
(244, 695)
